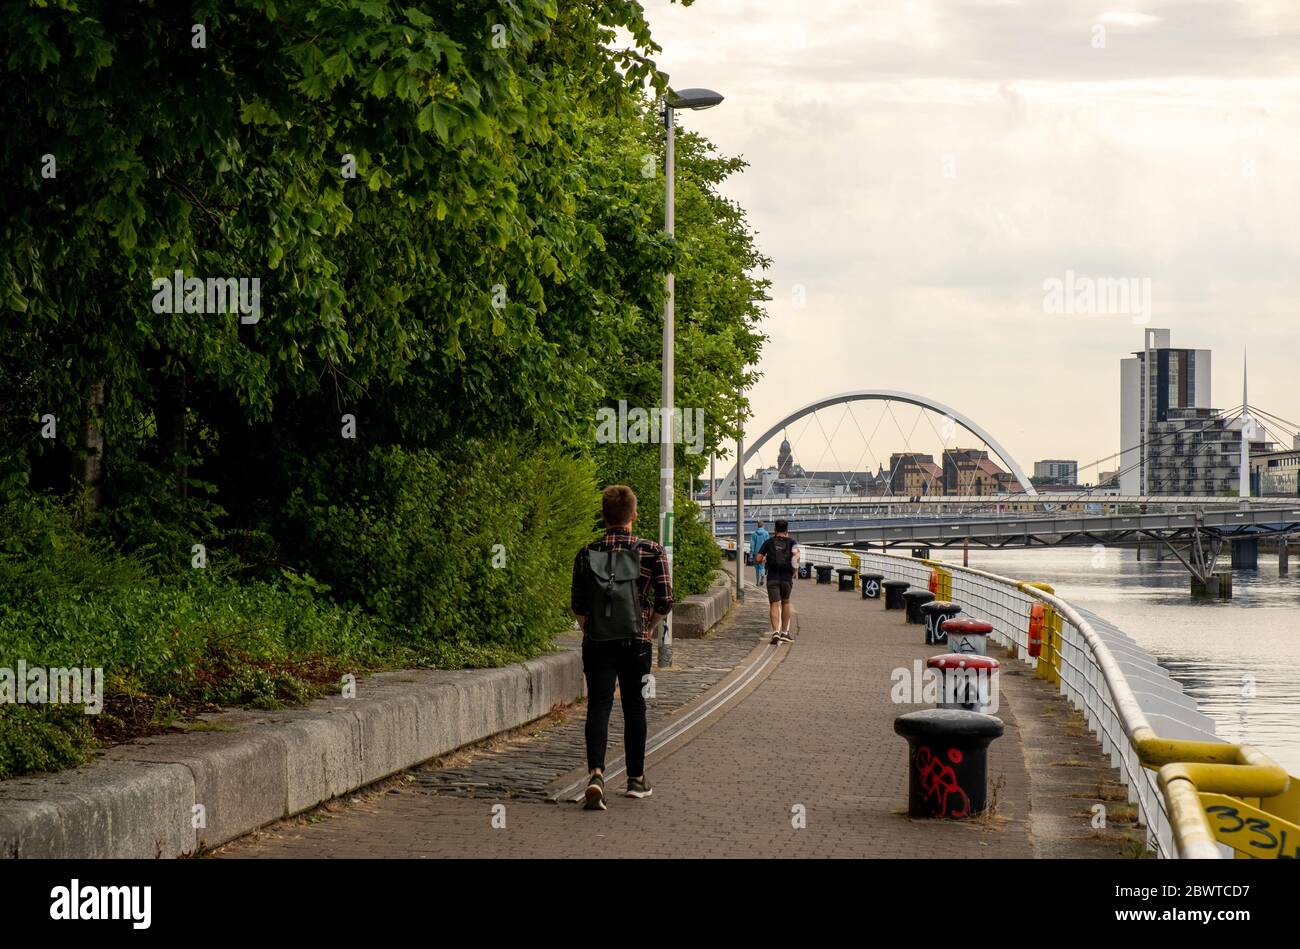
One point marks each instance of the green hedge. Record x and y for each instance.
(465, 559)
(401, 558)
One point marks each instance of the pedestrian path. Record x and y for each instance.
(807, 764)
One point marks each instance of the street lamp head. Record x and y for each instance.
(693, 99)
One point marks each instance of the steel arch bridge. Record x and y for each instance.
(882, 395)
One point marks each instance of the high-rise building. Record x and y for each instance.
(1057, 471)
(1198, 451)
(1155, 381)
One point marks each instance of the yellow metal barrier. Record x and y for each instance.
(944, 590)
(1191, 771)
(1250, 831)
(1205, 783)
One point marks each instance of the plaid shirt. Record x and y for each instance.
(656, 584)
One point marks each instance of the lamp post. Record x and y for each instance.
(740, 483)
(686, 99)
(740, 513)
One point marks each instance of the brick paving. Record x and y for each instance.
(526, 766)
(806, 765)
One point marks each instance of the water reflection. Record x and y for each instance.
(1238, 658)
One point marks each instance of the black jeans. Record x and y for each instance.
(627, 662)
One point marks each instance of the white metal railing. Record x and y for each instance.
(1091, 676)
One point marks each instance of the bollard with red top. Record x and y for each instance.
(969, 681)
(969, 636)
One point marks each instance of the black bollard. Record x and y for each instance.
(947, 761)
(823, 573)
(871, 585)
(894, 590)
(935, 612)
(912, 601)
(847, 576)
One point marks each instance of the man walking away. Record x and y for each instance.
(621, 591)
(780, 555)
(756, 542)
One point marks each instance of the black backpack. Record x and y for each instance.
(780, 556)
(613, 587)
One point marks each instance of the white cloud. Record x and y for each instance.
(1170, 154)
(1125, 18)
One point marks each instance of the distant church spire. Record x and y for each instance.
(784, 458)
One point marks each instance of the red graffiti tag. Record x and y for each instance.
(938, 782)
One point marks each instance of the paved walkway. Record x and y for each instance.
(806, 765)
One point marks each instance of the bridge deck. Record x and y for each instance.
(817, 732)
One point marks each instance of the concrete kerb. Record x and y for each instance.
(247, 768)
(103, 809)
(695, 615)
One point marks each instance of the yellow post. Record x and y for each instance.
(943, 589)
(1054, 636)
(1049, 662)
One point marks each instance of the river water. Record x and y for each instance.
(1216, 648)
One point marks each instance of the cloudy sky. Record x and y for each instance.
(919, 168)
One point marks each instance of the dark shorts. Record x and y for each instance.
(778, 591)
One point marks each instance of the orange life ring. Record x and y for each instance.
(1037, 613)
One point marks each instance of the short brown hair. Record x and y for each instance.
(617, 505)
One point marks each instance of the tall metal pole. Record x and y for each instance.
(740, 515)
(713, 490)
(666, 426)
(1247, 431)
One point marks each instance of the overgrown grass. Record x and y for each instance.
(167, 646)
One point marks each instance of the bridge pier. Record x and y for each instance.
(1283, 557)
(1245, 554)
(1218, 585)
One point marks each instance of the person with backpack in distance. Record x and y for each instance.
(621, 592)
(756, 542)
(780, 555)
